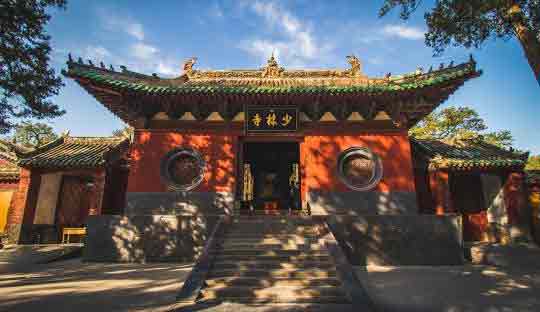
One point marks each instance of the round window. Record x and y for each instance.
(359, 168)
(183, 169)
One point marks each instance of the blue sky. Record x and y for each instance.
(157, 36)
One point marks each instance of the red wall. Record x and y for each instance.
(319, 157)
(150, 146)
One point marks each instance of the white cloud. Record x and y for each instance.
(298, 44)
(135, 29)
(167, 69)
(114, 22)
(96, 52)
(143, 51)
(405, 32)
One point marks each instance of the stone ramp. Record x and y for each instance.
(37, 254)
(273, 260)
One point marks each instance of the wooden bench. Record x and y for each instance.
(66, 232)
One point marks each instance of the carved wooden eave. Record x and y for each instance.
(342, 93)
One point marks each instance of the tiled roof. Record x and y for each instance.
(254, 82)
(9, 171)
(76, 152)
(9, 155)
(467, 155)
(533, 177)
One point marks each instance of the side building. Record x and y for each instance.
(63, 182)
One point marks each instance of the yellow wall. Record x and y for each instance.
(5, 200)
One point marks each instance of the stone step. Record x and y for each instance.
(269, 252)
(276, 273)
(271, 282)
(285, 235)
(263, 247)
(257, 265)
(273, 219)
(275, 258)
(273, 239)
(268, 230)
(339, 303)
(276, 294)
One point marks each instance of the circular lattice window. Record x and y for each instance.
(183, 169)
(359, 168)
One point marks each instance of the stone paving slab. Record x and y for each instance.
(32, 254)
(468, 288)
(76, 286)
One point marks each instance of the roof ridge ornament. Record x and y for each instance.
(356, 65)
(188, 65)
(272, 68)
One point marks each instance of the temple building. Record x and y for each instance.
(332, 144)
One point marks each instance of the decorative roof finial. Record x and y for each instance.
(188, 65)
(471, 59)
(272, 68)
(90, 63)
(70, 59)
(111, 68)
(356, 65)
(101, 65)
(80, 61)
(123, 68)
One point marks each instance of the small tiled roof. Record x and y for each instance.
(9, 155)
(533, 177)
(76, 152)
(467, 155)
(9, 171)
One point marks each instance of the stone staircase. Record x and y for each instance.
(271, 259)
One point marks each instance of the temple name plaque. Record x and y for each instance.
(263, 119)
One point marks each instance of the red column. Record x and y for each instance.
(440, 192)
(22, 207)
(96, 199)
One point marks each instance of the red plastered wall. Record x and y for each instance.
(150, 147)
(319, 157)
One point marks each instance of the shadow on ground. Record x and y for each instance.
(75, 286)
(452, 288)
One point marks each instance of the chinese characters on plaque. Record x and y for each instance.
(271, 119)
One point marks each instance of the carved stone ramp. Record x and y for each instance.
(275, 260)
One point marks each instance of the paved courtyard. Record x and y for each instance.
(75, 286)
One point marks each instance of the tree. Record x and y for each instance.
(26, 77)
(470, 23)
(533, 163)
(32, 135)
(459, 123)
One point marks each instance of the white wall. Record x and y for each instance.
(47, 198)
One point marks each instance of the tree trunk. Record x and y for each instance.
(529, 42)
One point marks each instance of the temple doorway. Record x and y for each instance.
(274, 174)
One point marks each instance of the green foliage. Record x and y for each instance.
(533, 163)
(458, 123)
(26, 78)
(470, 23)
(33, 135)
